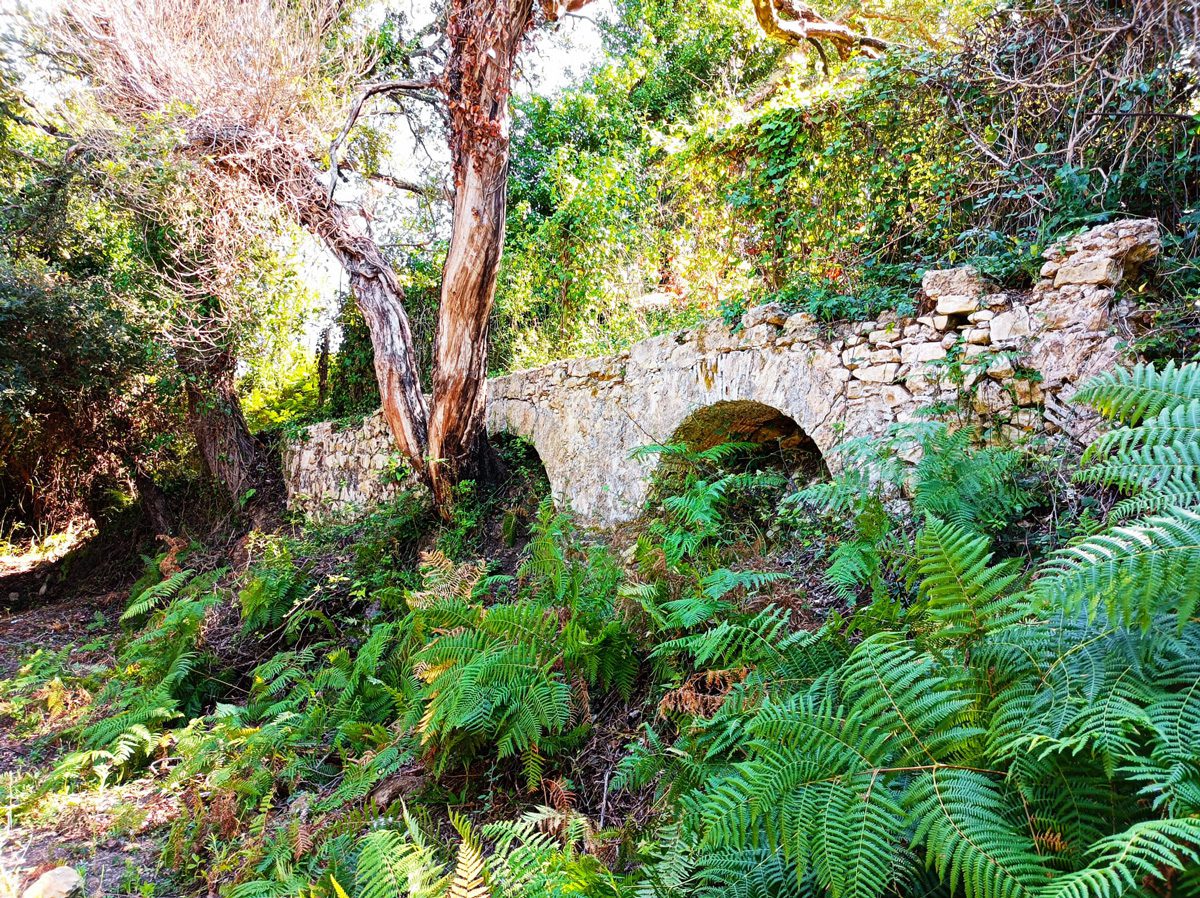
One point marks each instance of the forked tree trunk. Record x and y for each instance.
(214, 414)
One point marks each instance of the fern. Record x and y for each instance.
(1134, 572)
(1132, 396)
(961, 592)
(392, 863)
(152, 597)
(467, 879)
(1125, 862)
(969, 839)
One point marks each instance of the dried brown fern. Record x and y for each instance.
(444, 579)
(701, 694)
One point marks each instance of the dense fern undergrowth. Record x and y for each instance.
(998, 695)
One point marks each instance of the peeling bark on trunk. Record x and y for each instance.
(286, 174)
(485, 40)
(457, 435)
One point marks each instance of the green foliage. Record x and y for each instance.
(1155, 454)
(953, 479)
(161, 677)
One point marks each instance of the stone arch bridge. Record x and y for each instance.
(1016, 359)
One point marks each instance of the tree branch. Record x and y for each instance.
(808, 24)
(371, 90)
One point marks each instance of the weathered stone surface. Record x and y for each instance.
(916, 353)
(61, 882)
(956, 304)
(963, 281)
(1013, 324)
(585, 416)
(1102, 270)
(882, 374)
(772, 313)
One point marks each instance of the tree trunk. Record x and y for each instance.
(484, 39)
(284, 173)
(457, 435)
(153, 503)
(229, 452)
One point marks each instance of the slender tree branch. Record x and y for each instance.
(371, 90)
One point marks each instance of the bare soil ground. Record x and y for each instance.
(109, 834)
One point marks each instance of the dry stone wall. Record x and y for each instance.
(1015, 358)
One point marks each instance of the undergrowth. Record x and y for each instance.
(981, 716)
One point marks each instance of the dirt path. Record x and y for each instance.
(111, 835)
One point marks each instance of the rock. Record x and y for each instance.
(1010, 325)
(981, 316)
(61, 882)
(881, 336)
(917, 353)
(770, 313)
(957, 304)
(882, 374)
(1001, 367)
(980, 336)
(759, 335)
(941, 322)
(894, 395)
(1027, 392)
(991, 398)
(1101, 270)
(962, 281)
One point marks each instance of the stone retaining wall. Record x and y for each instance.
(1018, 356)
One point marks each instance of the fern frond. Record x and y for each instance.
(969, 840)
(1134, 572)
(467, 879)
(1125, 862)
(159, 594)
(962, 592)
(1131, 396)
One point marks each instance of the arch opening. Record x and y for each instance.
(511, 506)
(779, 443)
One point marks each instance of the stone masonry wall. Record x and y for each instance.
(1021, 357)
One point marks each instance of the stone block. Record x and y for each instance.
(916, 353)
(991, 398)
(1001, 367)
(1011, 325)
(1027, 392)
(882, 374)
(894, 395)
(957, 304)
(770, 313)
(1099, 270)
(962, 281)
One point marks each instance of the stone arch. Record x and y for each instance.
(785, 442)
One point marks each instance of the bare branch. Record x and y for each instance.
(806, 24)
(371, 90)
